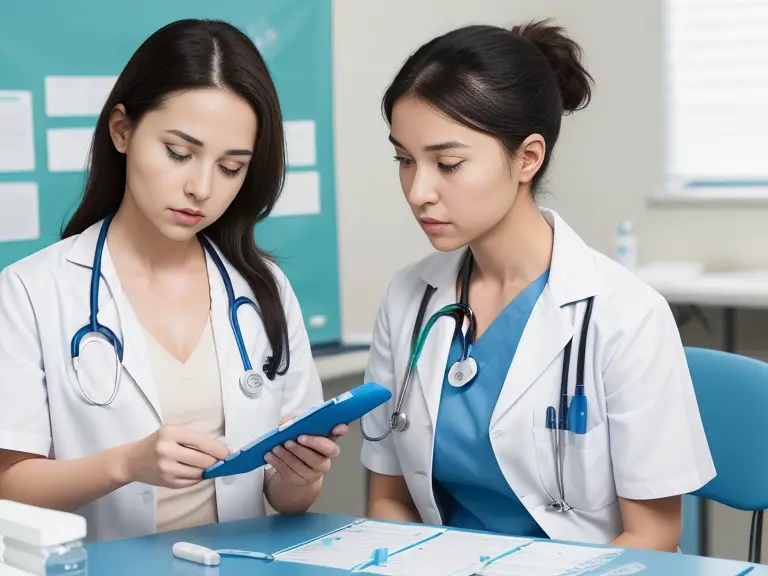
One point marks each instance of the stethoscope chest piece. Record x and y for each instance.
(251, 384)
(398, 422)
(462, 372)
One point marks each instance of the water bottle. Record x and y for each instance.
(626, 245)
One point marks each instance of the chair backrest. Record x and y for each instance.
(732, 393)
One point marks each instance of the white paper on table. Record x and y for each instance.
(17, 137)
(19, 211)
(300, 142)
(300, 195)
(76, 95)
(451, 553)
(68, 149)
(551, 559)
(354, 545)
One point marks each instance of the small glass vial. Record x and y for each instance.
(69, 559)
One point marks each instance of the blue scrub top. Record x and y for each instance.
(470, 489)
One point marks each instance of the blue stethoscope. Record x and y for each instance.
(572, 417)
(251, 383)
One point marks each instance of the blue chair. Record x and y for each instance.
(732, 393)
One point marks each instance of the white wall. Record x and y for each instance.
(607, 163)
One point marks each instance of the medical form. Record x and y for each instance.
(351, 547)
(452, 553)
(551, 559)
(429, 551)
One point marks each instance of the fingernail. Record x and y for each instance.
(303, 439)
(290, 444)
(268, 457)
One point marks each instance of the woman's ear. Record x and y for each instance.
(119, 128)
(531, 154)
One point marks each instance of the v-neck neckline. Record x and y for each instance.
(201, 337)
(520, 305)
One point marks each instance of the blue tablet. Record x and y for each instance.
(317, 421)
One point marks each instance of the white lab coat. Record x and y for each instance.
(44, 300)
(644, 435)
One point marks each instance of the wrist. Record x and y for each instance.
(309, 493)
(288, 498)
(119, 466)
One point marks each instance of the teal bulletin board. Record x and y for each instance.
(85, 39)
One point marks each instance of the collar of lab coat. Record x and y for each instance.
(572, 274)
(573, 277)
(115, 312)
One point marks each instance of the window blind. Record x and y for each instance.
(716, 88)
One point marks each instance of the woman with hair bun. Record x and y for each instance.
(538, 388)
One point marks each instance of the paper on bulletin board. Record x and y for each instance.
(19, 211)
(17, 139)
(76, 95)
(68, 149)
(300, 143)
(300, 195)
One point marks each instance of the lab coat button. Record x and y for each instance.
(498, 433)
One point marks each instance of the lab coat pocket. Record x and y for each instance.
(544, 447)
(588, 470)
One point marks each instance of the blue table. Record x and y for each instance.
(151, 555)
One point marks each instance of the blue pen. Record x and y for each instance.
(551, 418)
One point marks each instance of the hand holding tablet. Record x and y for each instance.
(322, 420)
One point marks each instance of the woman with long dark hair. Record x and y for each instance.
(155, 336)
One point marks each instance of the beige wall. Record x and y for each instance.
(607, 163)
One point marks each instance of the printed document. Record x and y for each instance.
(550, 559)
(450, 553)
(354, 545)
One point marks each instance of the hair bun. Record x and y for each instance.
(564, 55)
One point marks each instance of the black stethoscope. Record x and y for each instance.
(572, 417)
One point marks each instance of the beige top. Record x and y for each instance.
(190, 396)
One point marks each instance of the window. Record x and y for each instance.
(716, 97)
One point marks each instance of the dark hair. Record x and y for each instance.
(505, 83)
(190, 54)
